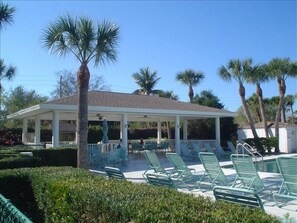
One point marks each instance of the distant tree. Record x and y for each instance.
(6, 73)
(239, 70)
(6, 14)
(86, 42)
(18, 99)
(289, 102)
(66, 84)
(207, 98)
(190, 78)
(6, 17)
(281, 69)
(146, 80)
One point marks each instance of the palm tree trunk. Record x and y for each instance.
(262, 109)
(247, 111)
(191, 93)
(83, 76)
(168, 130)
(282, 91)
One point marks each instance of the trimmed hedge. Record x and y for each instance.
(73, 195)
(11, 158)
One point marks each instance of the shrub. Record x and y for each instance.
(11, 158)
(74, 195)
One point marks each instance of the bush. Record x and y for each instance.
(11, 158)
(73, 195)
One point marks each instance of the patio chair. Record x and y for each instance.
(182, 172)
(239, 196)
(231, 147)
(213, 171)
(114, 173)
(154, 163)
(247, 175)
(287, 167)
(186, 152)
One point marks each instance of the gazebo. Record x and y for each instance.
(122, 107)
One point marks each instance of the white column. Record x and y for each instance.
(55, 129)
(121, 130)
(159, 133)
(125, 131)
(185, 130)
(177, 135)
(25, 131)
(37, 130)
(218, 134)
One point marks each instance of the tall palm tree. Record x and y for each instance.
(281, 69)
(146, 80)
(6, 73)
(290, 101)
(239, 71)
(86, 41)
(6, 14)
(190, 78)
(257, 76)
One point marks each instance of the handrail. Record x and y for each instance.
(248, 148)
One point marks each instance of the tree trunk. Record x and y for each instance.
(191, 93)
(262, 109)
(247, 111)
(282, 91)
(168, 130)
(83, 77)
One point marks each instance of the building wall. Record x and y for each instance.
(287, 139)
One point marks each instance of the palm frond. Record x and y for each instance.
(6, 14)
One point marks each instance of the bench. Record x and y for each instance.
(238, 196)
(159, 180)
(114, 173)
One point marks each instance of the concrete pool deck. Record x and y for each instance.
(137, 165)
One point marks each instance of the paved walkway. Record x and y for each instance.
(137, 165)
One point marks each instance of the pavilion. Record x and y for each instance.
(122, 107)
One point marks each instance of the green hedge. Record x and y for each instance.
(11, 158)
(72, 195)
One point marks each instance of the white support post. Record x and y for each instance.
(25, 131)
(37, 130)
(159, 133)
(177, 135)
(185, 130)
(55, 129)
(218, 134)
(125, 131)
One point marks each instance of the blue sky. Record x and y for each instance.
(166, 36)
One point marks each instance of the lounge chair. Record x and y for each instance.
(287, 167)
(231, 147)
(160, 180)
(154, 163)
(217, 151)
(247, 175)
(186, 152)
(238, 196)
(213, 170)
(182, 173)
(114, 173)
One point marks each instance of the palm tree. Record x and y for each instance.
(239, 71)
(146, 80)
(172, 96)
(190, 78)
(281, 69)
(6, 14)
(257, 76)
(290, 101)
(86, 41)
(6, 73)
